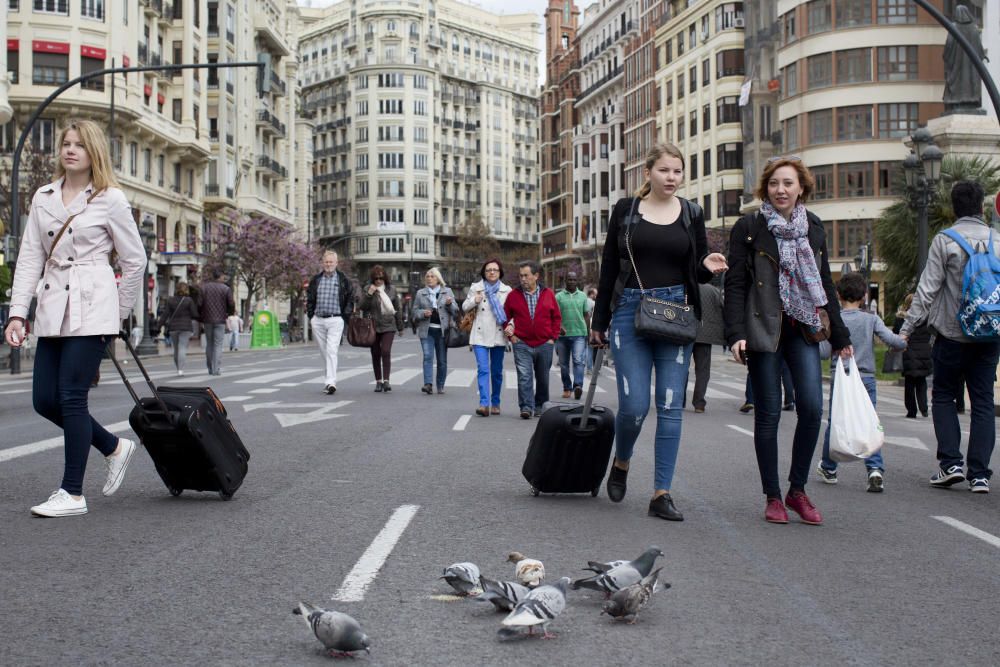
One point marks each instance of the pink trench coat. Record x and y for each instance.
(76, 290)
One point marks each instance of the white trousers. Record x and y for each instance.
(327, 331)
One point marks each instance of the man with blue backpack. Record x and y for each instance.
(959, 298)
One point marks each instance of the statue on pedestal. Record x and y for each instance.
(963, 89)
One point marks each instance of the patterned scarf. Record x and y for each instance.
(799, 284)
(492, 290)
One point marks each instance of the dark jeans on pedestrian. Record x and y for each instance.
(61, 379)
(977, 364)
(572, 351)
(533, 365)
(215, 338)
(381, 355)
(915, 395)
(434, 345)
(765, 375)
(702, 356)
(786, 383)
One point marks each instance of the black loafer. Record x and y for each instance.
(378, 387)
(663, 507)
(386, 387)
(616, 484)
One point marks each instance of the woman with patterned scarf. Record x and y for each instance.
(487, 297)
(778, 283)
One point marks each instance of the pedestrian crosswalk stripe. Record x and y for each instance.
(460, 378)
(402, 376)
(271, 377)
(264, 390)
(50, 443)
(235, 399)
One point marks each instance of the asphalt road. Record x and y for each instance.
(146, 578)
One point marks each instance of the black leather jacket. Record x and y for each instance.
(346, 295)
(753, 306)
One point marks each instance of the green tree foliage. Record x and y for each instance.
(896, 229)
(5, 281)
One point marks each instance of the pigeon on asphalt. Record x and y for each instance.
(463, 577)
(600, 568)
(341, 634)
(503, 594)
(626, 603)
(622, 575)
(539, 607)
(528, 571)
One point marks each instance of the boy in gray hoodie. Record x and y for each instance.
(864, 326)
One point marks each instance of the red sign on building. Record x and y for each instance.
(13, 45)
(93, 52)
(38, 46)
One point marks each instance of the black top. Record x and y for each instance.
(661, 253)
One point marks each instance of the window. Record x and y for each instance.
(706, 206)
(728, 15)
(43, 135)
(361, 108)
(50, 68)
(420, 107)
(362, 189)
(692, 36)
(147, 165)
(668, 55)
(706, 72)
(391, 217)
(361, 162)
(706, 117)
(680, 86)
(362, 217)
(896, 11)
(390, 106)
(854, 66)
(52, 6)
(851, 235)
(390, 160)
(897, 120)
(133, 159)
(420, 161)
(693, 160)
(392, 80)
(680, 44)
(420, 218)
(362, 135)
(693, 79)
(361, 82)
(420, 81)
(12, 65)
(855, 179)
(729, 156)
(818, 16)
(824, 181)
(160, 170)
(390, 133)
(92, 9)
(420, 190)
(821, 126)
(890, 179)
(693, 123)
(420, 134)
(727, 110)
(393, 244)
(897, 63)
(88, 65)
(669, 92)
(764, 124)
(706, 162)
(788, 26)
(791, 83)
(729, 63)
(729, 203)
(854, 123)
(852, 13)
(791, 133)
(819, 70)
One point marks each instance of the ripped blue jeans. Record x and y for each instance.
(635, 359)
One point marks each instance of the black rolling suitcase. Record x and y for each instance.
(571, 446)
(188, 435)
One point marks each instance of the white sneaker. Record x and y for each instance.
(180, 373)
(60, 503)
(116, 464)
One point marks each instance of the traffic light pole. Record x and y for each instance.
(263, 84)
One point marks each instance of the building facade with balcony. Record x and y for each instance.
(171, 130)
(701, 47)
(642, 101)
(558, 122)
(599, 138)
(856, 78)
(426, 119)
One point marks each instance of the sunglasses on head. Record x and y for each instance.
(790, 158)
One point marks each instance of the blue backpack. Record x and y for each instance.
(979, 311)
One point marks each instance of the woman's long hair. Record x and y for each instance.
(378, 271)
(102, 173)
(654, 154)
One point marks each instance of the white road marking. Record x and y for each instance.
(709, 392)
(271, 377)
(461, 423)
(366, 569)
(403, 376)
(14, 391)
(989, 538)
(281, 404)
(912, 443)
(341, 375)
(288, 384)
(264, 390)
(50, 443)
(460, 378)
(740, 430)
(235, 399)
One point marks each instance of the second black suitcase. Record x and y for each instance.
(188, 435)
(571, 446)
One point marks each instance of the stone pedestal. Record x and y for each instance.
(966, 135)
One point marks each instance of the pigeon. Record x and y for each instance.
(341, 634)
(626, 603)
(622, 575)
(503, 594)
(528, 571)
(539, 607)
(463, 577)
(600, 568)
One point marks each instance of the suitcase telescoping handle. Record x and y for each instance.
(128, 385)
(589, 402)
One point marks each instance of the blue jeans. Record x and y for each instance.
(765, 377)
(64, 368)
(433, 345)
(977, 363)
(786, 381)
(635, 359)
(572, 350)
(533, 365)
(873, 462)
(489, 364)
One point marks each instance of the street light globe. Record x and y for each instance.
(911, 165)
(932, 159)
(921, 139)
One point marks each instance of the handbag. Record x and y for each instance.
(658, 318)
(818, 335)
(468, 320)
(455, 337)
(360, 331)
(855, 430)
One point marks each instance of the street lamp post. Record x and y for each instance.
(147, 347)
(923, 171)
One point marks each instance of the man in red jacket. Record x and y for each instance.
(533, 323)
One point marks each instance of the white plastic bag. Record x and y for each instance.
(855, 430)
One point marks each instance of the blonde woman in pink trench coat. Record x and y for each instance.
(73, 226)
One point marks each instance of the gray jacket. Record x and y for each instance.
(422, 302)
(939, 292)
(712, 329)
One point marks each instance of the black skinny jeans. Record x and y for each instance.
(381, 355)
(64, 368)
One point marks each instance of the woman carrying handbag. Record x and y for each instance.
(180, 312)
(486, 299)
(654, 259)
(434, 311)
(381, 302)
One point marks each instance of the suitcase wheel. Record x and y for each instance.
(594, 492)
(535, 492)
(175, 492)
(225, 496)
